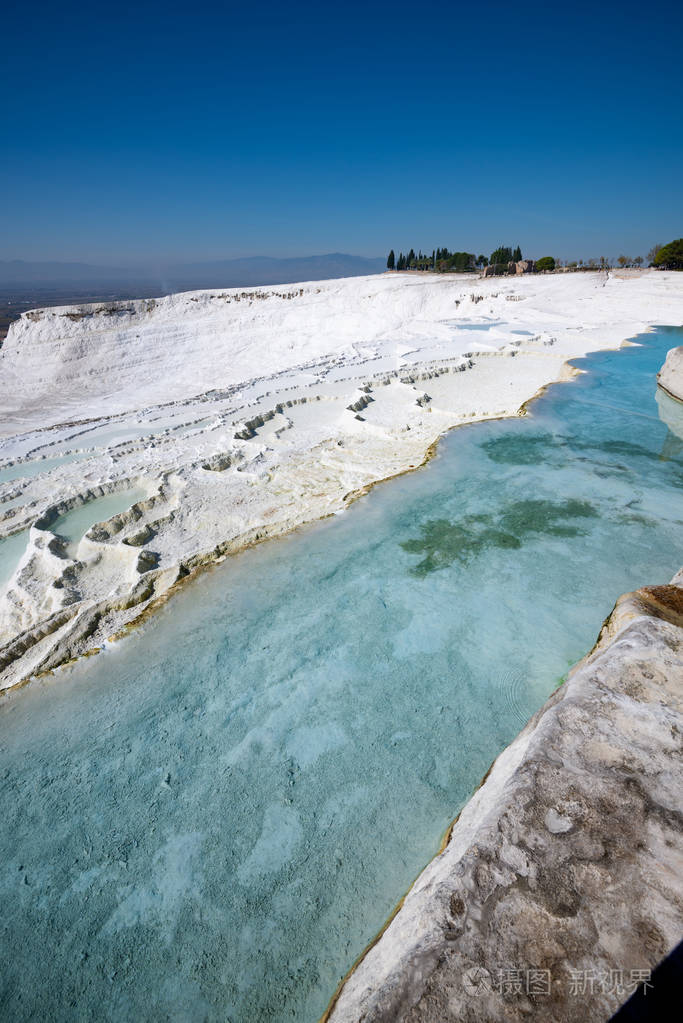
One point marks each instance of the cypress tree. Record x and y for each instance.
(391, 261)
(517, 254)
(503, 254)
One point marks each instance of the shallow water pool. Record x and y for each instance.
(11, 550)
(27, 470)
(211, 820)
(74, 524)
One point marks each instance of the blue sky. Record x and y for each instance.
(137, 132)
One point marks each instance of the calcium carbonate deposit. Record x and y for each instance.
(212, 420)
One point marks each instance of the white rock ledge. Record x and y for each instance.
(569, 856)
(670, 376)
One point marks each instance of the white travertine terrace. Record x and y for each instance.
(245, 413)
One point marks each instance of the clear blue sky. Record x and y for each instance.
(165, 131)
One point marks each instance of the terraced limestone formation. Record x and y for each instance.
(240, 415)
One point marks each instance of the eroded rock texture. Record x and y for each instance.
(563, 876)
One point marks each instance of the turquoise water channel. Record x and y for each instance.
(211, 820)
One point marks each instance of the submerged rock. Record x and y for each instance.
(561, 883)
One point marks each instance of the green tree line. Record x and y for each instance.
(443, 260)
(661, 257)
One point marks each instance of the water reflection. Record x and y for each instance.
(670, 413)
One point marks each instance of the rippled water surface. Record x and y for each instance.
(211, 820)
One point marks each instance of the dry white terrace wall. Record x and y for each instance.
(63, 363)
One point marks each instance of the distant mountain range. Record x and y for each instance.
(224, 273)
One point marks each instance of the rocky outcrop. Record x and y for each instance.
(561, 883)
(523, 266)
(670, 376)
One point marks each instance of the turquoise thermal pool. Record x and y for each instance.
(11, 550)
(74, 524)
(29, 469)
